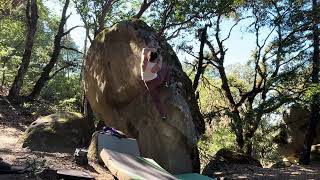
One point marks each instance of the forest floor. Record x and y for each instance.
(13, 122)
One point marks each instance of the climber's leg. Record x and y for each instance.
(153, 88)
(155, 94)
(164, 74)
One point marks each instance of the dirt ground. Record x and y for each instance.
(239, 171)
(13, 123)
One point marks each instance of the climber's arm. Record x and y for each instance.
(146, 50)
(144, 58)
(158, 66)
(144, 64)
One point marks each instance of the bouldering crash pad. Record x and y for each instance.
(128, 167)
(122, 145)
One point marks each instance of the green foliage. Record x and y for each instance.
(122, 12)
(214, 140)
(312, 92)
(287, 46)
(265, 150)
(12, 31)
(90, 10)
(39, 108)
(65, 92)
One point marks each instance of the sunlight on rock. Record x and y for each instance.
(242, 177)
(122, 101)
(296, 173)
(308, 170)
(121, 88)
(102, 85)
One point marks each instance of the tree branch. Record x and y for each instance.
(71, 49)
(62, 68)
(105, 9)
(144, 6)
(213, 52)
(164, 19)
(68, 31)
(234, 25)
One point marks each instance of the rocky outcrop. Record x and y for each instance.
(227, 160)
(58, 132)
(117, 94)
(291, 137)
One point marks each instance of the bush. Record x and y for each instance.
(214, 140)
(65, 92)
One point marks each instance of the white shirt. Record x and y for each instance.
(147, 75)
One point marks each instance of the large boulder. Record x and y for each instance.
(290, 139)
(60, 132)
(117, 94)
(291, 136)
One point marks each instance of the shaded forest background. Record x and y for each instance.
(41, 65)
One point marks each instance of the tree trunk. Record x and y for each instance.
(32, 18)
(238, 129)
(88, 113)
(234, 114)
(105, 9)
(144, 6)
(3, 73)
(248, 146)
(251, 121)
(45, 75)
(315, 106)
(84, 105)
(202, 37)
(236, 123)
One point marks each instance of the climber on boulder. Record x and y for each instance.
(154, 75)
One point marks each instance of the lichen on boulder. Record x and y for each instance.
(58, 132)
(290, 139)
(117, 95)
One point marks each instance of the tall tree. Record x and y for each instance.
(45, 75)
(106, 8)
(315, 102)
(202, 34)
(263, 92)
(32, 18)
(93, 15)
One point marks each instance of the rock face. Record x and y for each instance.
(117, 94)
(57, 132)
(93, 148)
(227, 161)
(291, 137)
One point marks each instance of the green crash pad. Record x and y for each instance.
(193, 176)
(128, 167)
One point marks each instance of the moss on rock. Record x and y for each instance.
(62, 131)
